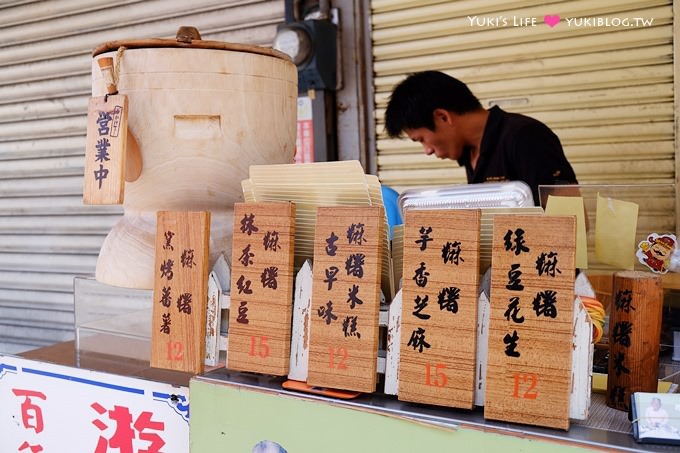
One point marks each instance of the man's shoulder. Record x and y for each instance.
(517, 121)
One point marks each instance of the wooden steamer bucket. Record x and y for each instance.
(201, 113)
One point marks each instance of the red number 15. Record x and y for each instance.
(439, 379)
(259, 346)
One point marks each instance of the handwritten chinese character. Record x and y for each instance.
(513, 311)
(246, 256)
(331, 272)
(514, 280)
(448, 299)
(187, 258)
(331, 248)
(622, 332)
(268, 277)
(544, 304)
(184, 303)
(451, 253)
(31, 413)
(270, 241)
(618, 396)
(424, 237)
(102, 146)
(518, 245)
(355, 234)
(242, 316)
(101, 174)
(243, 285)
(547, 264)
(103, 123)
(624, 300)
(168, 240)
(349, 327)
(126, 430)
(420, 303)
(33, 448)
(248, 224)
(417, 340)
(511, 342)
(327, 312)
(166, 269)
(619, 367)
(166, 297)
(165, 324)
(354, 265)
(353, 298)
(421, 275)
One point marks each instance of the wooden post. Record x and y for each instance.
(634, 331)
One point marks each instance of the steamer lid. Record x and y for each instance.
(187, 38)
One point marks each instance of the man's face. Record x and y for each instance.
(444, 141)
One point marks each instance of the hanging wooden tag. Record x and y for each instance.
(104, 178)
(106, 144)
(180, 292)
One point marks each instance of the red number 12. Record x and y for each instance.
(530, 392)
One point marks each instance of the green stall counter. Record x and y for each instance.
(234, 412)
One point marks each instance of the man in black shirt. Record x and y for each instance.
(441, 112)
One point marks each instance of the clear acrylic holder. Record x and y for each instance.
(111, 320)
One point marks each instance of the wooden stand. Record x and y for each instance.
(634, 331)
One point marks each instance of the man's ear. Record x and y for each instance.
(442, 115)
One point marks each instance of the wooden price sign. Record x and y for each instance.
(261, 288)
(529, 368)
(343, 344)
(180, 292)
(439, 312)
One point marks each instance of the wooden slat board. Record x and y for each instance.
(261, 288)
(635, 317)
(439, 307)
(531, 328)
(103, 180)
(343, 344)
(180, 292)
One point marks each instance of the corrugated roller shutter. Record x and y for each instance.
(606, 90)
(47, 236)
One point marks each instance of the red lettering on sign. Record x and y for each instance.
(337, 358)
(523, 378)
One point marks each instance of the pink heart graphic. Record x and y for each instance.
(551, 21)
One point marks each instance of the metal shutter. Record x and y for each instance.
(606, 90)
(47, 236)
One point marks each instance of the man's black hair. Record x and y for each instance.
(415, 98)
